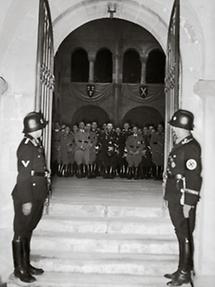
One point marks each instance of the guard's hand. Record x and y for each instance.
(164, 204)
(26, 208)
(186, 210)
(47, 173)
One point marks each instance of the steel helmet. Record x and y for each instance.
(182, 119)
(34, 121)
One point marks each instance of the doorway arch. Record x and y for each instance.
(90, 113)
(143, 116)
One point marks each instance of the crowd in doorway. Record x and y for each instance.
(87, 150)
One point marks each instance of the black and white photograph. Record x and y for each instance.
(107, 122)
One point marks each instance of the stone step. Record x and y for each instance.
(108, 210)
(63, 279)
(130, 264)
(103, 243)
(143, 226)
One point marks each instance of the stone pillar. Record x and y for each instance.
(91, 67)
(205, 231)
(143, 69)
(19, 27)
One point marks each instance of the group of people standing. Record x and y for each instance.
(86, 150)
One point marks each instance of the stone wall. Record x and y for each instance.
(18, 33)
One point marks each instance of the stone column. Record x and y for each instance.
(143, 69)
(91, 67)
(205, 231)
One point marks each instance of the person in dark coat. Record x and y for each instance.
(81, 154)
(109, 151)
(134, 145)
(157, 150)
(182, 183)
(29, 195)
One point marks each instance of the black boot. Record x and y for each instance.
(71, 172)
(174, 275)
(184, 275)
(136, 173)
(106, 172)
(79, 171)
(129, 173)
(94, 170)
(32, 270)
(66, 170)
(20, 267)
(112, 172)
(89, 171)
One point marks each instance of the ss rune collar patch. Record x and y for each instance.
(25, 163)
(191, 164)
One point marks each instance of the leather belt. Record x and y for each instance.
(38, 173)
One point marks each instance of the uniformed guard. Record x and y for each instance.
(182, 183)
(29, 195)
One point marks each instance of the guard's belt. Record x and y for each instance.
(38, 173)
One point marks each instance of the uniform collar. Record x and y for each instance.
(35, 142)
(185, 140)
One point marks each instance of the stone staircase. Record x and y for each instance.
(103, 241)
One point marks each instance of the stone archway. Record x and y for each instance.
(154, 17)
(90, 113)
(142, 116)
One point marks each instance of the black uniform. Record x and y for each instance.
(29, 195)
(183, 184)
(109, 151)
(31, 186)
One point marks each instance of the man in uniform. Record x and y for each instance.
(126, 132)
(90, 161)
(134, 146)
(29, 195)
(109, 151)
(182, 183)
(81, 154)
(157, 150)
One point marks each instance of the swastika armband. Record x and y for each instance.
(191, 164)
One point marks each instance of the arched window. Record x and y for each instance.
(103, 66)
(80, 66)
(155, 67)
(131, 67)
